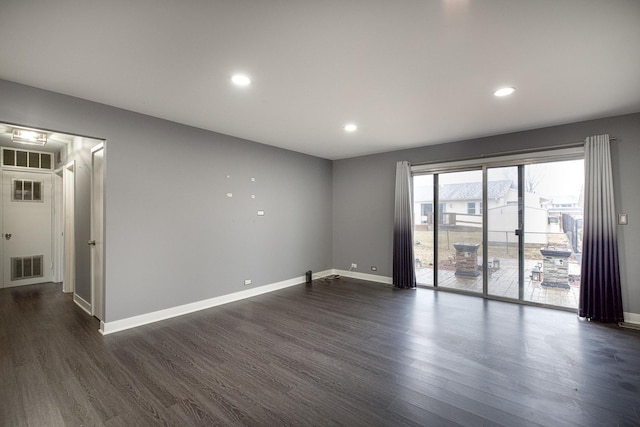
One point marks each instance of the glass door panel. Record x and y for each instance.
(553, 232)
(459, 230)
(423, 228)
(534, 231)
(503, 219)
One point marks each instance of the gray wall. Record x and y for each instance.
(363, 192)
(172, 234)
(174, 237)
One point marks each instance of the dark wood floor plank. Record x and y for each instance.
(10, 414)
(337, 352)
(420, 416)
(499, 380)
(39, 405)
(73, 403)
(190, 413)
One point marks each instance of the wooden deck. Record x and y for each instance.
(503, 282)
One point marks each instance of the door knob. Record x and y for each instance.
(91, 242)
(7, 236)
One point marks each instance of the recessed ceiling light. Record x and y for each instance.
(240, 80)
(350, 127)
(504, 91)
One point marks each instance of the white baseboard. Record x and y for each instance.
(156, 316)
(82, 303)
(633, 318)
(322, 274)
(364, 276)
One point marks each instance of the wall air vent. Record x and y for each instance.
(26, 267)
(26, 159)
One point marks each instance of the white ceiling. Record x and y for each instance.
(409, 73)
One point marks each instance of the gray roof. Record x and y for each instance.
(464, 191)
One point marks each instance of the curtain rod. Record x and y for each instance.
(510, 152)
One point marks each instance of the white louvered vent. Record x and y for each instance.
(26, 267)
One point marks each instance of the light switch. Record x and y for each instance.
(623, 219)
(260, 213)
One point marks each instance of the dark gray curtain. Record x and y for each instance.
(600, 294)
(404, 274)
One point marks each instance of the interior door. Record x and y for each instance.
(26, 228)
(97, 230)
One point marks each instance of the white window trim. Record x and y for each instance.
(510, 159)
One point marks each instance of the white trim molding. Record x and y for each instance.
(632, 318)
(157, 316)
(82, 303)
(364, 276)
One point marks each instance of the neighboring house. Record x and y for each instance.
(565, 214)
(568, 204)
(464, 200)
(461, 205)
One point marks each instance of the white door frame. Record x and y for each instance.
(1, 228)
(58, 227)
(68, 261)
(98, 294)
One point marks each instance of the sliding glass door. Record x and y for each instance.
(424, 232)
(459, 228)
(504, 225)
(553, 200)
(510, 231)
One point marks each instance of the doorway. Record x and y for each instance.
(56, 184)
(510, 230)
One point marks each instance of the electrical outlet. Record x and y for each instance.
(374, 268)
(354, 265)
(247, 282)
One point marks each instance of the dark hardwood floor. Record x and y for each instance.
(342, 352)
